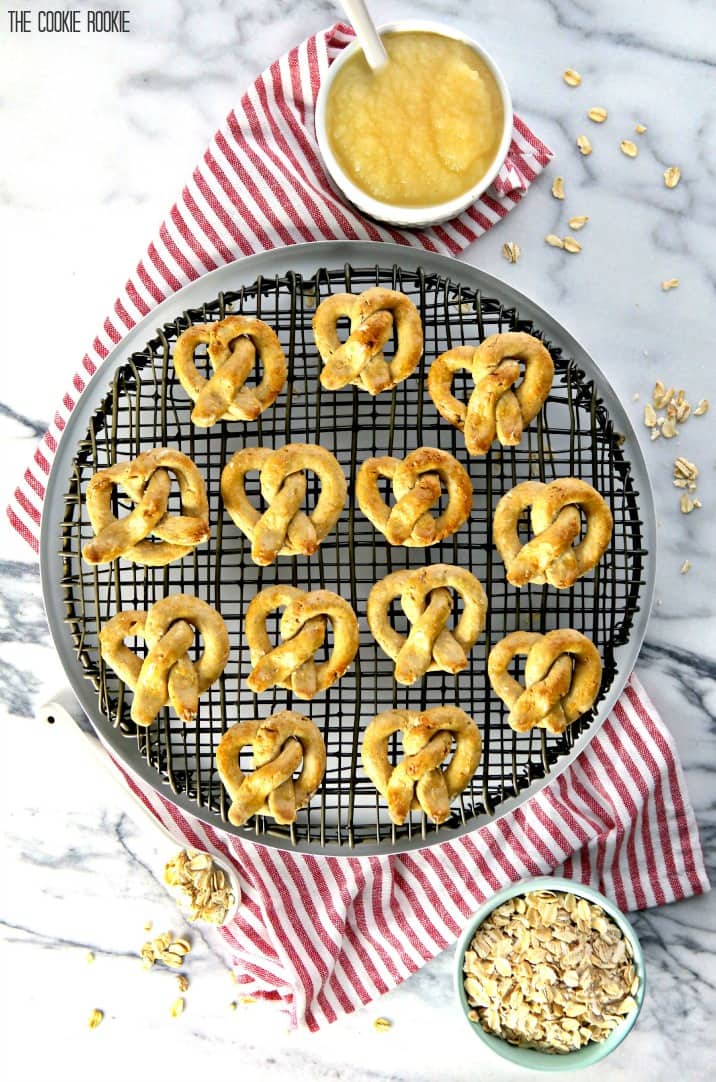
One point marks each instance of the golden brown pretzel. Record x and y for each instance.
(496, 408)
(416, 481)
(556, 522)
(233, 344)
(167, 674)
(282, 744)
(360, 358)
(563, 674)
(303, 628)
(146, 480)
(283, 529)
(426, 596)
(417, 782)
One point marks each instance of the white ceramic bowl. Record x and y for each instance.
(412, 217)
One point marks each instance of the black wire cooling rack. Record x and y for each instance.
(145, 406)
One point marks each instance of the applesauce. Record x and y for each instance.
(422, 130)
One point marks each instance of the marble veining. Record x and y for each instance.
(102, 133)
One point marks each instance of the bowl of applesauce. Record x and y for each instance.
(419, 140)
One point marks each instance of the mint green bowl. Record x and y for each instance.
(531, 1057)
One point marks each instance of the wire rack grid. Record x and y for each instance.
(145, 406)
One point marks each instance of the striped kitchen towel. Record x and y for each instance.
(260, 185)
(325, 935)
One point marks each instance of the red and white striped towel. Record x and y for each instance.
(260, 185)
(327, 934)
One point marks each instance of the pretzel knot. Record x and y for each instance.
(563, 674)
(167, 674)
(556, 522)
(233, 345)
(303, 627)
(284, 529)
(417, 482)
(417, 781)
(360, 359)
(496, 408)
(426, 596)
(147, 482)
(282, 744)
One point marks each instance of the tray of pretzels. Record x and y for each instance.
(348, 548)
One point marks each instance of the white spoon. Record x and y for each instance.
(58, 715)
(368, 37)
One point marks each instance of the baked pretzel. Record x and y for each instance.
(303, 628)
(496, 408)
(283, 529)
(233, 344)
(167, 674)
(556, 522)
(282, 744)
(426, 596)
(360, 360)
(416, 481)
(147, 481)
(417, 782)
(563, 674)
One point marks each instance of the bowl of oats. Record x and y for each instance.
(550, 974)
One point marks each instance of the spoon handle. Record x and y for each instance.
(360, 19)
(57, 714)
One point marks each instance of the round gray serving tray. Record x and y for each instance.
(305, 260)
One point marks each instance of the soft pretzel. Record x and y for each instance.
(426, 596)
(233, 344)
(556, 522)
(416, 481)
(496, 408)
(167, 674)
(417, 782)
(360, 359)
(283, 529)
(147, 481)
(282, 744)
(563, 674)
(303, 628)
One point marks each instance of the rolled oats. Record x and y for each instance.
(572, 77)
(578, 222)
(203, 890)
(598, 114)
(554, 241)
(95, 1018)
(584, 144)
(672, 176)
(629, 148)
(550, 971)
(558, 187)
(670, 283)
(571, 245)
(511, 251)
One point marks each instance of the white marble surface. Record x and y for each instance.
(98, 136)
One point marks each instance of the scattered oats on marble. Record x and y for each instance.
(701, 408)
(177, 1007)
(558, 187)
(685, 567)
(572, 77)
(554, 241)
(382, 1025)
(585, 146)
(578, 222)
(670, 283)
(630, 149)
(165, 948)
(95, 1018)
(571, 245)
(203, 890)
(672, 176)
(511, 251)
(640, 129)
(550, 971)
(598, 114)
